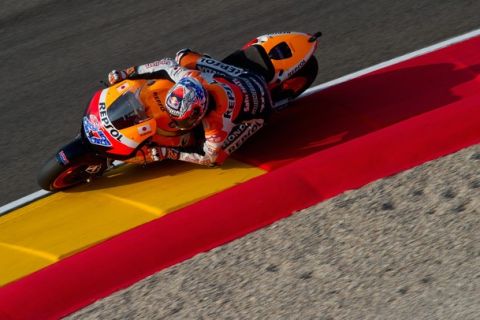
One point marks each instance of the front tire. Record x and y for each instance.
(74, 164)
(55, 176)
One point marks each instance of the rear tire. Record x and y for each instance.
(298, 82)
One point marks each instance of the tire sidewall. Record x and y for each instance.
(74, 157)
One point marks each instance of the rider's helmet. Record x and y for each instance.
(186, 103)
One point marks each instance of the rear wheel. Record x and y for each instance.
(298, 82)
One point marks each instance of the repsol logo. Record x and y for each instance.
(107, 124)
(208, 64)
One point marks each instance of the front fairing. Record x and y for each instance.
(115, 123)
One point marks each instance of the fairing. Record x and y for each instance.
(288, 51)
(115, 122)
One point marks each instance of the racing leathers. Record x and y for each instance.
(239, 101)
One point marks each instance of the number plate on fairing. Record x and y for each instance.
(93, 132)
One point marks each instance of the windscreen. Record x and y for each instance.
(126, 111)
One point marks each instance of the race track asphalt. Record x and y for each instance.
(54, 52)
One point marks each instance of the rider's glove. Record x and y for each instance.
(149, 154)
(183, 52)
(180, 54)
(162, 153)
(116, 76)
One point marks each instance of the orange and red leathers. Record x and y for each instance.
(239, 102)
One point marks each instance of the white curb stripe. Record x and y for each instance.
(42, 193)
(23, 201)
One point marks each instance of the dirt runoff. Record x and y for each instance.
(404, 247)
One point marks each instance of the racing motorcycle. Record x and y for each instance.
(122, 118)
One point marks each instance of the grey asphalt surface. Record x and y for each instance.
(54, 52)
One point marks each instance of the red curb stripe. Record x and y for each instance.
(81, 279)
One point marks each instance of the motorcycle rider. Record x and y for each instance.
(228, 102)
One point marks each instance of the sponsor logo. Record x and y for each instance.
(246, 96)
(145, 129)
(298, 67)
(214, 66)
(94, 168)
(231, 100)
(107, 124)
(155, 66)
(253, 91)
(93, 132)
(163, 62)
(63, 157)
(123, 87)
(253, 94)
(157, 99)
(240, 134)
(262, 94)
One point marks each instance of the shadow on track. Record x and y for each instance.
(354, 109)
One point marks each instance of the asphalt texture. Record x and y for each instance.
(53, 53)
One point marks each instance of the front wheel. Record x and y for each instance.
(72, 165)
(55, 176)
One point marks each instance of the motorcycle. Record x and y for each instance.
(122, 118)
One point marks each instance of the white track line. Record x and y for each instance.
(393, 61)
(23, 201)
(42, 193)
